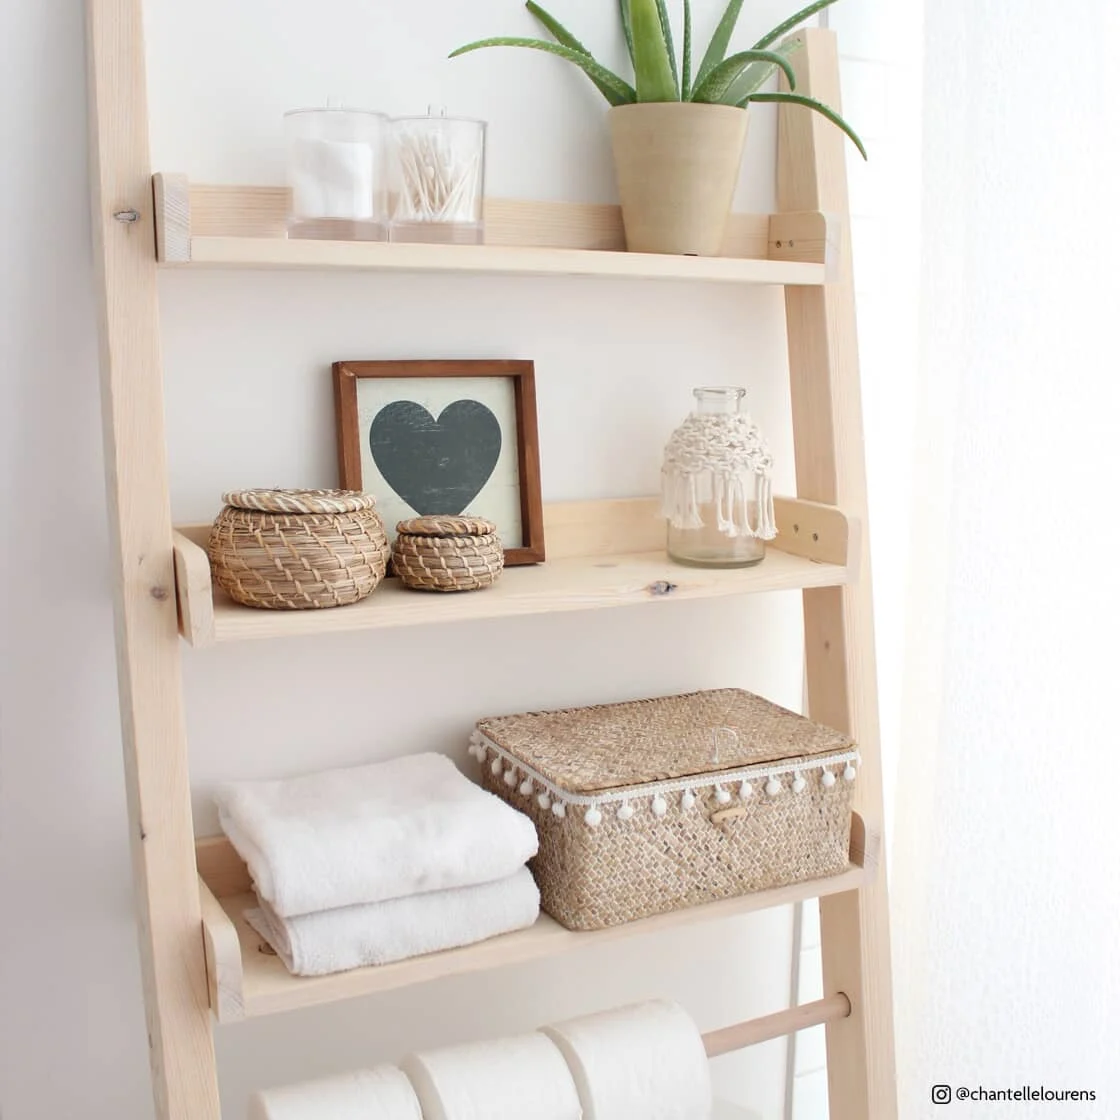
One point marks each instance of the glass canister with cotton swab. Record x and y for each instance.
(437, 171)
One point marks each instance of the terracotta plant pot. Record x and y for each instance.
(677, 165)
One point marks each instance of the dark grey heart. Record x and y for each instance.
(437, 466)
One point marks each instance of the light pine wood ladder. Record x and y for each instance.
(199, 959)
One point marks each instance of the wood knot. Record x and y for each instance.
(159, 594)
(662, 587)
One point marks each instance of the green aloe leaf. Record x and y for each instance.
(627, 27)
(618, 88)
(653, 74)
(714, 88)
(755, 76)
(686, 54)
(791, 23)
(717, 48)
(816, 106)
(670, 49)
(565, 38)
(555, 28)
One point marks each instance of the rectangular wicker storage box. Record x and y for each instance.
(657, 805)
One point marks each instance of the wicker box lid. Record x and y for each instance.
(589, 750)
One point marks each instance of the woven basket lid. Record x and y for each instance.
(447, 527)
(299, 501)
(590, 750)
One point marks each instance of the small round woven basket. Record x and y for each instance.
(447, 553)
(298, 549)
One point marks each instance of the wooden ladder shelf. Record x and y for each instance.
(200, 961)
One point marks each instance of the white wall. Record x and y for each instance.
(71, 1027)
(248, 404)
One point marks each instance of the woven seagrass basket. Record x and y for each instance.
(447, 553)
(662, 804)
(298, 549)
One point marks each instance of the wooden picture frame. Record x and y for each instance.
(387, 427)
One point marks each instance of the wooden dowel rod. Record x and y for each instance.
(776, 1026)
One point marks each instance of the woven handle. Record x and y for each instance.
(721, 818)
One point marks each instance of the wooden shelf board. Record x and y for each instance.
(282, 253)
(215, 226)
(259, 984)
(577, 584)
(602, 554)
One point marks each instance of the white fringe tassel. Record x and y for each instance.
(725, 453)
(742, 510)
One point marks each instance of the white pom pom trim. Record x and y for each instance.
(656, 795)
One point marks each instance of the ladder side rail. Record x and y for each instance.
(148, 664)
(839, 625)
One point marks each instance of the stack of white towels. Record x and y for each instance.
(638, 1063)
(372, 864)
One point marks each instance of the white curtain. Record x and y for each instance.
(1006, 841)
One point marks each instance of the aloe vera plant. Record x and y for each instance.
(720, 79)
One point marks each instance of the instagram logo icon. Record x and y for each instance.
(942, 1094)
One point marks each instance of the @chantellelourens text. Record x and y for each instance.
(946, 1094)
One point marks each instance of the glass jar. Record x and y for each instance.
(437, 169)
(336, 174)
(716, 490)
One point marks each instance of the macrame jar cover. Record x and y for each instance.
(730, 449)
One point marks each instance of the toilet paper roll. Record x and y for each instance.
(645, 1061)
(383, 1093)
(507, 1079)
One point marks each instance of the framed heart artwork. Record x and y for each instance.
(430, 438)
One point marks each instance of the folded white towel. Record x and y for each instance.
(370, 833)
(380, 932)
(522, 1078)
(383, 1093)
(646, 1061)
